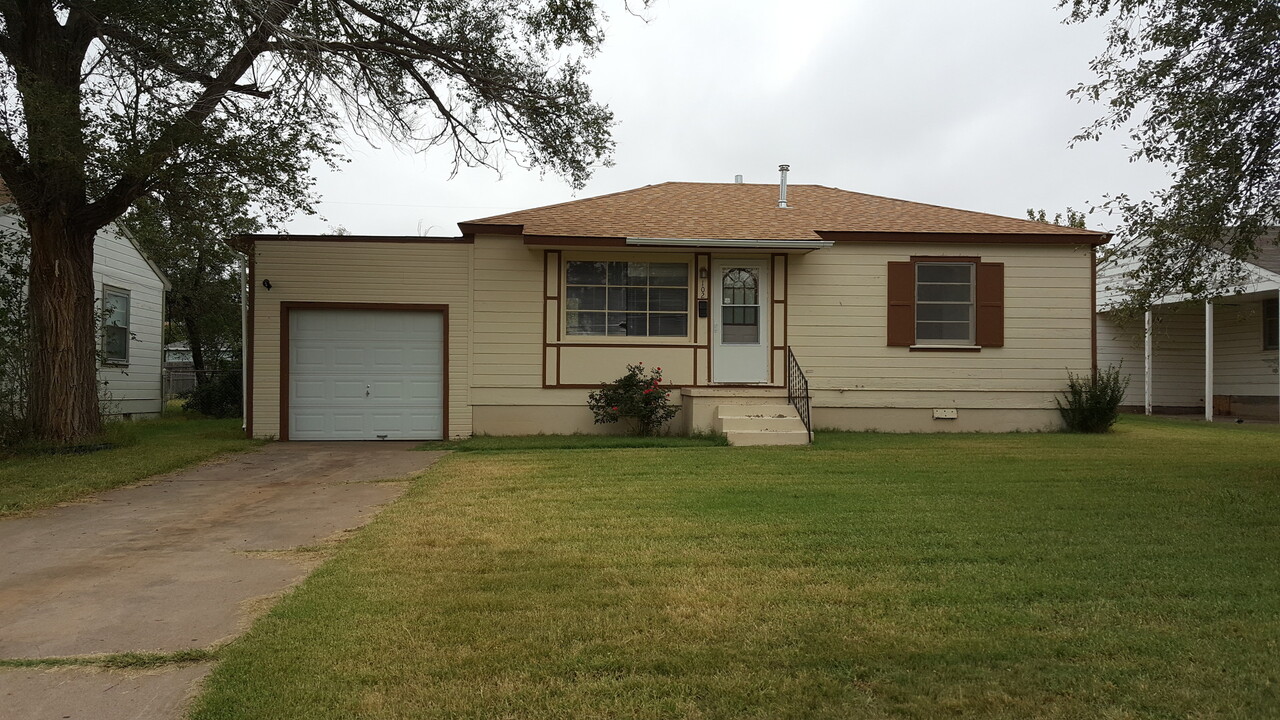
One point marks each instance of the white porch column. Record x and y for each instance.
(1208, 360)
(1146, 365)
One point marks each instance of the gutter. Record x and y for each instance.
(726, 243)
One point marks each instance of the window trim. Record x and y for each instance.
(109, 290)
(649, 340)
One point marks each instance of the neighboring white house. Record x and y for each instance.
(1183, 351)
(130, 290)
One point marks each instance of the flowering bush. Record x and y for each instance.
(638, 396)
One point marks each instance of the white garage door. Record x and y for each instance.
(366, 375)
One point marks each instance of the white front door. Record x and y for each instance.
(366, 375)
(740, 321)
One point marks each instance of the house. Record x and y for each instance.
(1182, 352)
(900, 316)
(130, 292)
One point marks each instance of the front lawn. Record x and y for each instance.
(1131, 575)
(143, 448)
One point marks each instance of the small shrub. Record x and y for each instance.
(219, 397)
(637, 396)
(1091, 403)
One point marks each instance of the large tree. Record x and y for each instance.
(106, 100)
(184, 229)
(1196, 84)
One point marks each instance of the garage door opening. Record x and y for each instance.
(364, 374)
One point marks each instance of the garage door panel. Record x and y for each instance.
(348, 390)
(351, 423)
(366, 374)
(421, 389)
(309, 356)
(309, 390)
(309, 422)
(349, 357)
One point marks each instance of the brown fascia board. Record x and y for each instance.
(473, 229)
(244, 243)
(1082, 238)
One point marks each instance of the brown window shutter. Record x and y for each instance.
(902, 304)
(990, 305)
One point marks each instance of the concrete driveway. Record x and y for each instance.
(185, 561)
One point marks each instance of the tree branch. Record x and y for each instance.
(166, 61)
(133, 182)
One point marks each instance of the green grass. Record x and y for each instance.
(1128, 575)
(143, 448)
(493, 443)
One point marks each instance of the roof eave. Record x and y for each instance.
(477, 228)
(1081, 238)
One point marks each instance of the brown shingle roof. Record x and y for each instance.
(735, 211)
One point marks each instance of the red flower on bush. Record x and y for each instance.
(632, 396)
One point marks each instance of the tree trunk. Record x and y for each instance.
(64, 364)
(195, 342)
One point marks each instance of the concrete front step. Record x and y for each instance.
(760, 424)
(743, 439)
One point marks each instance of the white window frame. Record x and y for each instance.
(107, 292)
(972, 303)
(566, 336)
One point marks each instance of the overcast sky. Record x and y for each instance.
(960, 104)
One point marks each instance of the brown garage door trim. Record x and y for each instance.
(287, 306)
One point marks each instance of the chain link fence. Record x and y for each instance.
(179, 382)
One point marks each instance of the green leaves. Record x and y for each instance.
(1091, 404)
(638, 396)
(1197, 87)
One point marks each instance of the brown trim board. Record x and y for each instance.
(946, 258)
(1083, 238)
(289, 305)
(245, 241)
(470, 228)
(786, 303)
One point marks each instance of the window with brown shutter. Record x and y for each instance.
(945, 303)
(989, 305)
(902, 304)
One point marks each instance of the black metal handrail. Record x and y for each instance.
(798, 391)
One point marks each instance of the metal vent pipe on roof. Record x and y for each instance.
(737, 179)
(782, 186)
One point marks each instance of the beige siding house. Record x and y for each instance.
(900, 316)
